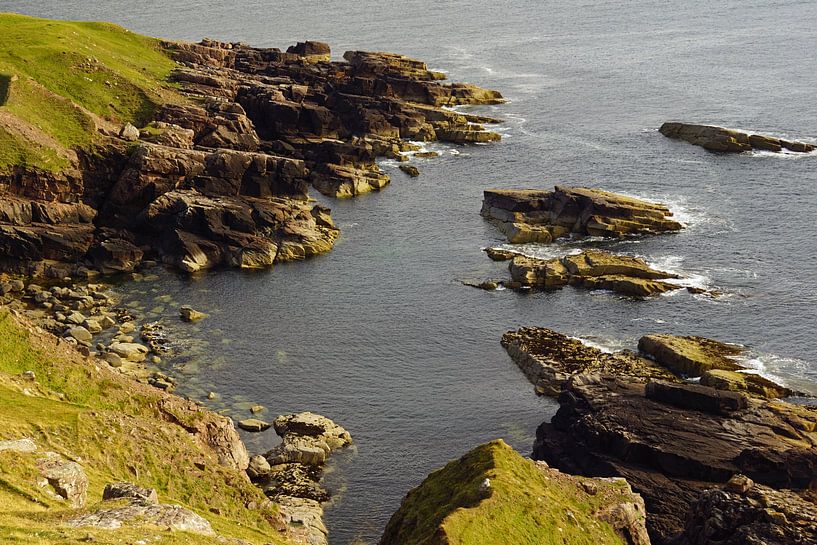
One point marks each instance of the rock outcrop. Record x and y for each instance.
(531, 215)
(591, 269)
(222, 180)
(715, 138)
(623, 415)
(494, 495)
(671, 443)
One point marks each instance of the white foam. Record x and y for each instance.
(608, 345)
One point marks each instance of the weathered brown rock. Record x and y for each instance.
(541, 216)
(592, 269)
(715, 138)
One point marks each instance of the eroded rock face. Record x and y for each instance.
(715, 138)
(592, 269)
(529, 215)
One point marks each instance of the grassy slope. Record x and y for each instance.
(113, 428)
(57, 76)
(524, 507)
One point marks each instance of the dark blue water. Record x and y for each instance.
(380, 336)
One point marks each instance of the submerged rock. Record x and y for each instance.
(715, 138)
(529, 215)
(494, 495)
(254, 425)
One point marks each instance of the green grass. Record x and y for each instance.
(117, 432)
(62, 77)
(523, 507)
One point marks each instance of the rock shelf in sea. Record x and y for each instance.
(540, 216)
(590, 269)
(715, 138)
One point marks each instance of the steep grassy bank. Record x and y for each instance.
(60, 81)
(117, 430)
(492, 495)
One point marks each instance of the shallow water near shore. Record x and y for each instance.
(381, 336)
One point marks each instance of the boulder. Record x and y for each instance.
(130, 351)
(81, 334)
(254, 425)
(307, 438)
(188, 314)
(67, 478)
(136, 494)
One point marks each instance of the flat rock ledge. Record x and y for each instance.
(223, 180)
(681, 446)
(532, 215)
(721, 139)
(290, 473)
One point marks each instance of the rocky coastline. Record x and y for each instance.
(220, 175)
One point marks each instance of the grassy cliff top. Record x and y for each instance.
(61, 80)
(117, 430)
(523, 505)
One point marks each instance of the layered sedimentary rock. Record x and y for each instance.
(531, 215)
(494, 495)
(222, 180)
(624, 415)
(592, 269)
(715, 138)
